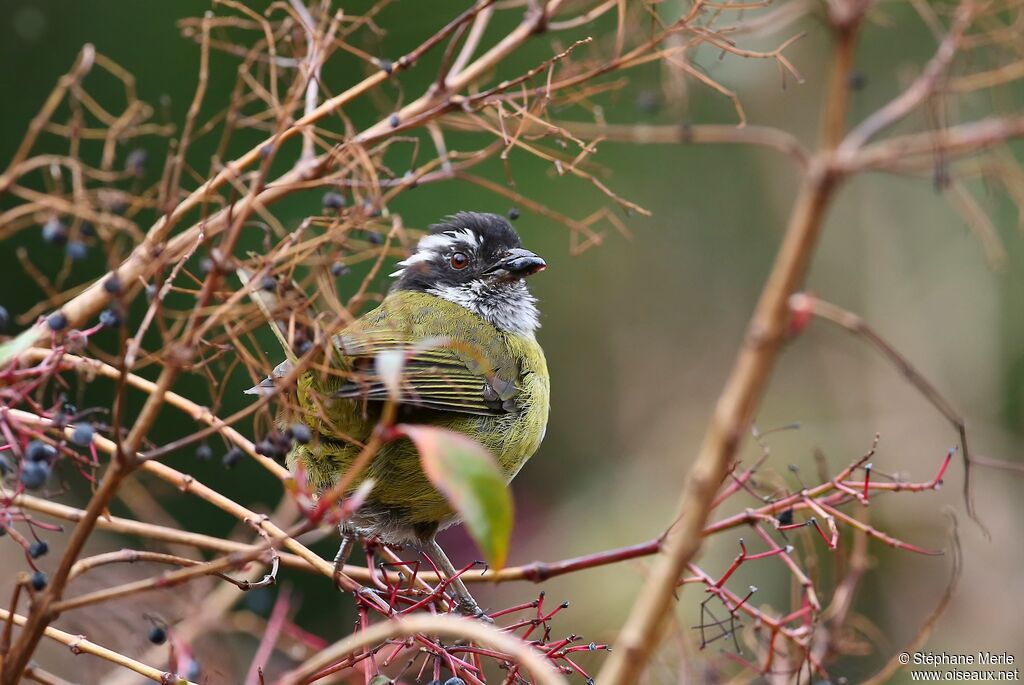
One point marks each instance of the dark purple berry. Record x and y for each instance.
(110, 318)
(38, 549)
(82, 435)
(135, 163)
(233, 456)
(157, 635)
(112, 284)
(386, 65)
(57, 321)
(204, 452)
(300, 433)
(37, 450)
(513, 213)
(87, 229)
(55, 232)
(34, 474)
(393, 121)
(38, 581)
(333, 200)
(77, 250)
(5, 319)
(268, 283)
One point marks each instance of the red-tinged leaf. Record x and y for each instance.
(467, 475)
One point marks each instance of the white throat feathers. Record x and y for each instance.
(508, 306)
(505, 303)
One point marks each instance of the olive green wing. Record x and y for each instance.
(448, 364)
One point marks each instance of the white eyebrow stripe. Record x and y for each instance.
(436, 243)
(467, 236)
(415, 259)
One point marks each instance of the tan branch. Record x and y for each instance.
(442, 626)
(80, 645)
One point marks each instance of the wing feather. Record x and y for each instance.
(438, 377)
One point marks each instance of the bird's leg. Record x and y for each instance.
(465, 604)
(348, 540)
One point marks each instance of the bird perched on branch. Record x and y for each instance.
(462, 317)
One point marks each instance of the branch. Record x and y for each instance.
(79, 644)
(918, 91)
(763, 136)
(443, 626)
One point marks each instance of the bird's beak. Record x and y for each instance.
(521, 263)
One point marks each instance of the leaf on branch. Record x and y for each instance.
(468, 476)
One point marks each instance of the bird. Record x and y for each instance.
(460, 312)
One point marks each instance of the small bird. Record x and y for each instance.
(462, 315)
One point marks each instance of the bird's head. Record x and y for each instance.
(477, 261)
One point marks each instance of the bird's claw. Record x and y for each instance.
(468, 607)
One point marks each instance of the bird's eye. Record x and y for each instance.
(459, 261)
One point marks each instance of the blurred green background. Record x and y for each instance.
(640, 333)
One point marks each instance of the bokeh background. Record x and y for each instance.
(641, 332)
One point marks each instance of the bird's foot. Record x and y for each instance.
(467, 606)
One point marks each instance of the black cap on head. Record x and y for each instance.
(467, 247)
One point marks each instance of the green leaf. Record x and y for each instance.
(467, 475)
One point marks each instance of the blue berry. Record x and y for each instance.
(38, 549)
(112, 285)
(204, 452)
(300, 433)
(55, 232)
(157, 635)
(82, 435)
(34, 474)
(5, 319)
(393, 121)
(333, 200)
(268, 283)
(87, 229)
(455, 681)
(136, 161)
(37, 450)
(38, 581)
(339, 269)
(57, 321)
(77, 250)
(386, 65)
(110, 318)
(513, 213)
(233, 456)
